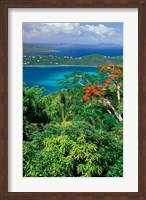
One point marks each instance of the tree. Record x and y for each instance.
(34, 109)
(109, 83)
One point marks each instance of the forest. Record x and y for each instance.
(76, 131)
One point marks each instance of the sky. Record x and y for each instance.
(73, 33)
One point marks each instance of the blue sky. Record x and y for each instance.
(74, 33)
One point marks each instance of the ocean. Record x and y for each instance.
(78, 51)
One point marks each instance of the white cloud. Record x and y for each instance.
(75, 32)
(99, 29)
(58, 28)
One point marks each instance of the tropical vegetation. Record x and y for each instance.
(78, 130)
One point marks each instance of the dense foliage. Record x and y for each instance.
(77, 131)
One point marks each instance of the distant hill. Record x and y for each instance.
(34, 48)
(71, 45)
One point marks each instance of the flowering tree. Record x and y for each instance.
(110, 82)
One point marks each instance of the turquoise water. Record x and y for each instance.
(48, 76)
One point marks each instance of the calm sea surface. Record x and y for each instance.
(73, 51)
(79, 52)
(47, 76)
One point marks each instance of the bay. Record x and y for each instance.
(48, 76)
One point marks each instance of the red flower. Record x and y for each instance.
(85, 98)
(107, 82)
(102, 68)
(96, 92)
(110, 65)
(92, 89)
(87, 91)
(116, 71)
(88, 94)
(99, 87)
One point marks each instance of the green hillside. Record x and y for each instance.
(90, 60)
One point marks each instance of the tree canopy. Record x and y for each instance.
(78, 130)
